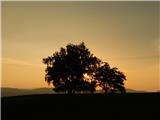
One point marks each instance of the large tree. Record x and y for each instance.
(75, 68)
(66, 69)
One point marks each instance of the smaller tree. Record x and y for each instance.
(110, 79)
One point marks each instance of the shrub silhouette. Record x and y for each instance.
(76, 69)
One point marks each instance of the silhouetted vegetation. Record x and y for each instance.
(76, 69)
(110, 79)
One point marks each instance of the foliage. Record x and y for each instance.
(110, 79)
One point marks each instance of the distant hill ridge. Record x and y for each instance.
(16, 91)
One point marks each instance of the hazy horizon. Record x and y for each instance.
(124, 34)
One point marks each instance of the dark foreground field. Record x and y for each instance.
(81, 106)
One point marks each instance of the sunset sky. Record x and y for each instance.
(124, 34)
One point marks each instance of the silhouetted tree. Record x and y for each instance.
(110, 79)
(66, 69)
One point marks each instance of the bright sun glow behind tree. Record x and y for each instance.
(87, 77)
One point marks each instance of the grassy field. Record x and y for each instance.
(57, 106)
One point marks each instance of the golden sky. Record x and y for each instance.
(124, 34)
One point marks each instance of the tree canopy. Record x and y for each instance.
(76, 69)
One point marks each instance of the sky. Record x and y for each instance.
(124, 34)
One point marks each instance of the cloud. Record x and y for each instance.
(135, 57)
(19, 62)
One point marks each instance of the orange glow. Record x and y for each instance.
(125, 36)
(87, 77)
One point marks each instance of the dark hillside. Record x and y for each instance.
(82, 105)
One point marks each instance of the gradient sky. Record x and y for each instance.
(124, 34)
